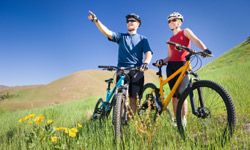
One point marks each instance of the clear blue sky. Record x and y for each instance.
(44, 40)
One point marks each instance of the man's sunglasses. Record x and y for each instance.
(131, 21)
(174, 20)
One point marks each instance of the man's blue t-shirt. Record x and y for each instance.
(131, 48)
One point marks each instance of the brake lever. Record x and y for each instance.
(203, 54)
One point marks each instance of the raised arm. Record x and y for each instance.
(189, 34)
(102, 28)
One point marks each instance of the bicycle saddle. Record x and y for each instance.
(110, 80)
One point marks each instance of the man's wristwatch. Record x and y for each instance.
(95, 19)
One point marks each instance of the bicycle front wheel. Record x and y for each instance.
(213, 113)
(118, 116)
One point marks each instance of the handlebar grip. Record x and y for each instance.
(103, 66)
(109, 68)
(204, 54)
(171, 43)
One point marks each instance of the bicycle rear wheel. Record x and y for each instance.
(150, 103)
(213, 115)
(98, 111)
(118, 116)
(147, 101)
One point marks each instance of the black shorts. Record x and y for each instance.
(172, 67)
(136, 83)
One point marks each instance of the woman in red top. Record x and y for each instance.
(176, 58)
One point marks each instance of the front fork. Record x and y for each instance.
(201, 111)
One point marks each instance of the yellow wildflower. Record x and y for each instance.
(54, 139)
(30, 116)
(74, 129)
(26, 118)
(79, 125)
(39, 119)
(49, 122)
(72, 132)
(21, 120)
(60, 129)
(66, 130)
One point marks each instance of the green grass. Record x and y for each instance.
(62, 113)
(231, 71)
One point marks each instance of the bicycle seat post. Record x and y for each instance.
(108, 86)
(159, 73)
(109, 81)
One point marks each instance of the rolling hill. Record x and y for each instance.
(79, 85)
(2, 87)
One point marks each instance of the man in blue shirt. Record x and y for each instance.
(132, 46)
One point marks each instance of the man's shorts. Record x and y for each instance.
(136, 83)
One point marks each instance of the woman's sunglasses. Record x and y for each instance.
(174, 20)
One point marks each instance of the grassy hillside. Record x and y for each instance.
(230, 70)
(76, 86)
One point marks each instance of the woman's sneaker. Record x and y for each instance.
(184, 122)
(174, 123)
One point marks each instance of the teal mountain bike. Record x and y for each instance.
(116, 97)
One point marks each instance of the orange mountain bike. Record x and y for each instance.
(213, 113)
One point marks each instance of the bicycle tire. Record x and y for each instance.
(98, 112)
(211, 129)
(118, 112)
(147, 101)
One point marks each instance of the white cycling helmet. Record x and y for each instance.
(176, 15)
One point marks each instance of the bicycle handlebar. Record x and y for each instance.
(193, 52)
(109, 68)
(113, 68)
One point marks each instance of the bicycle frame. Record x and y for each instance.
(104, 106)
(110, 93)
(182, 71)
